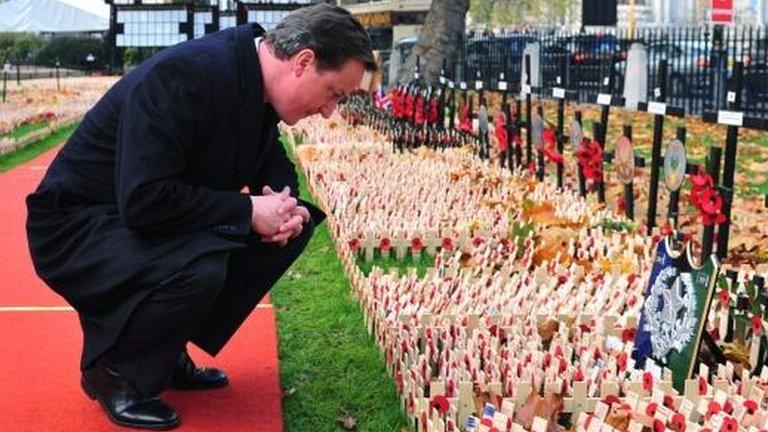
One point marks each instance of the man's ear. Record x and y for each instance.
(301, 61)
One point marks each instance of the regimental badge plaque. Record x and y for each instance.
(624, 160)
(674, 165)
(674, 312)
(576, 135)
(537, 128)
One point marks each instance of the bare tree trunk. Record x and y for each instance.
(438, 40)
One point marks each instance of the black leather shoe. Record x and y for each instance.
(187, 376)
(123, 403)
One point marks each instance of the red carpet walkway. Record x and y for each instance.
(40, 343)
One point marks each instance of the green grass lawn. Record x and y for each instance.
(329, 366)
(10, 160)
(25, 129)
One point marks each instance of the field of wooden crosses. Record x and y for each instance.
(526, 318)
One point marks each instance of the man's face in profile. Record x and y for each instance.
(313, 91)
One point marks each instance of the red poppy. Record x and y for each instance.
(669, 402)
(757, 323)
(610, 400)
(385, 244)
(477, 241)
(447, 244)
(750, 405)
(725, 296)
(621, 362)
(713, 408)
(579, 375)
(494, 429)
(647, 381)
(703, 386)
(659, 426)
(666, 230)
(702, 180)
(678, 422)
(729, 425)
(440, 403)
(628, 334)
(416, 244)
(728, 407)
(650, 409)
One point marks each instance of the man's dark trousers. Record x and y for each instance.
(202, 304)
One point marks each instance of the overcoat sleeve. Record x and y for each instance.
(156, 130)
(277, 172)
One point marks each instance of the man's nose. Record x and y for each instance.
(327, 109)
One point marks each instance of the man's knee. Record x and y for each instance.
(198, 282)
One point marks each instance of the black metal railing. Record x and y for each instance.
(699, 60)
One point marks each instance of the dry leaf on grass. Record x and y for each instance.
(348, 422)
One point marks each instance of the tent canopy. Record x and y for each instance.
(48, 16)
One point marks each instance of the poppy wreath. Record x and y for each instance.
(590, 157)
(706, 199)
(550, 146)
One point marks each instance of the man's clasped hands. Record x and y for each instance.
(276, 216)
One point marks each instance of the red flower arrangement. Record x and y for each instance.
(550, 146)
(465, 123)
(433, 116)
(590, 157)
(706, 199)
(419, 116)
(500, 129)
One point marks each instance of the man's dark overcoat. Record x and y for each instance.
(152, 179)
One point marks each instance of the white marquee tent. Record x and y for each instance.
(48, 16)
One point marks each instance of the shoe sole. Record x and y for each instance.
(91, 393)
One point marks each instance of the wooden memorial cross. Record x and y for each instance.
(443, 80)
(577, 134)
(536, 131)
(734, 118)
(527, 90)
(659, 108)
(678, 174)
(605, 99)
(562, 94)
